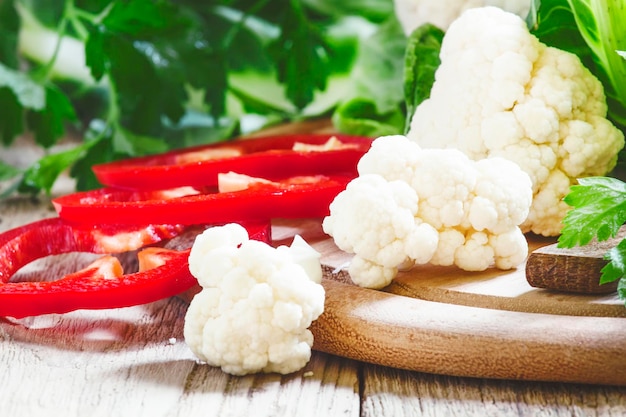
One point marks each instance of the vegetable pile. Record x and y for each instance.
(487, 127)
(228, 214)
(115, 220)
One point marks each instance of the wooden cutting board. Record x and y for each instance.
(491, 324)
(443, 320)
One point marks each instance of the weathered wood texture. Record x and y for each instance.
(134, 362)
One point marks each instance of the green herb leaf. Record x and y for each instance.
(48, 124)
(599, 210)
(361, 117)
(43, 174)
(99, 151)
(8, 171)
(421, 63)
(11, 124)
(28, 92)
(47, 109)
(621, 289)
(9, 29)
(379, 69)
(139, 17)
(616, 268)
(373, 10)
(299, 53)
(124, 141)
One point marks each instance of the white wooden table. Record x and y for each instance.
(134, 362)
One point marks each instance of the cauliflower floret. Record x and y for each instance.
(256, 304)
(414, 13)
(500, 92)
(377, 219)
(414, 205)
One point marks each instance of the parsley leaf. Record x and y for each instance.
(300, 56)
(599, 210)
(11, 123)
(43, 174)
(146, 87)
(616, 268)
(48, 124)
(9, 28)
(28, 92)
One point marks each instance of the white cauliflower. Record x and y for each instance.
(256, 304)
(413, 13)
(501, 92)
(412, 205)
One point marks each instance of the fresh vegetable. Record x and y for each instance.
(421, 62)
(113, 220)
(415, 13)
(142, 77)
(256, 303)
(294, 197)
(414, 206)
(162, 272)
(595, 31)
(26, 243)
(519, 99)
(411, 56)
(598, 212)
(271, 157)
(376, 105)
(100, 285)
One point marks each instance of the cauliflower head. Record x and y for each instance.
(256, 303)
(413, 13)
(414, 206)
(499, 91)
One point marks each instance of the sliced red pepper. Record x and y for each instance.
(100, 285)
(35, 240)
(268, 157)
(163, 272)
(290, 198)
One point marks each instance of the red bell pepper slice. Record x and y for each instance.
(271, 157)
(298, 197)
(162, 272)
(24, 244)
(100, 285)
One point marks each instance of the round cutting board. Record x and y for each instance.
(490, 324)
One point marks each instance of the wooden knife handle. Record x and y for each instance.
(576, 270)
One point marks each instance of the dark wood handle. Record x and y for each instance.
(575, 270)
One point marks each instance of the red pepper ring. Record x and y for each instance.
(269, 157)
(291, 198)
(101, 285)
(162, 272)
(24, 244)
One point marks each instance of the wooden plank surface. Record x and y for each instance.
(133, 362)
